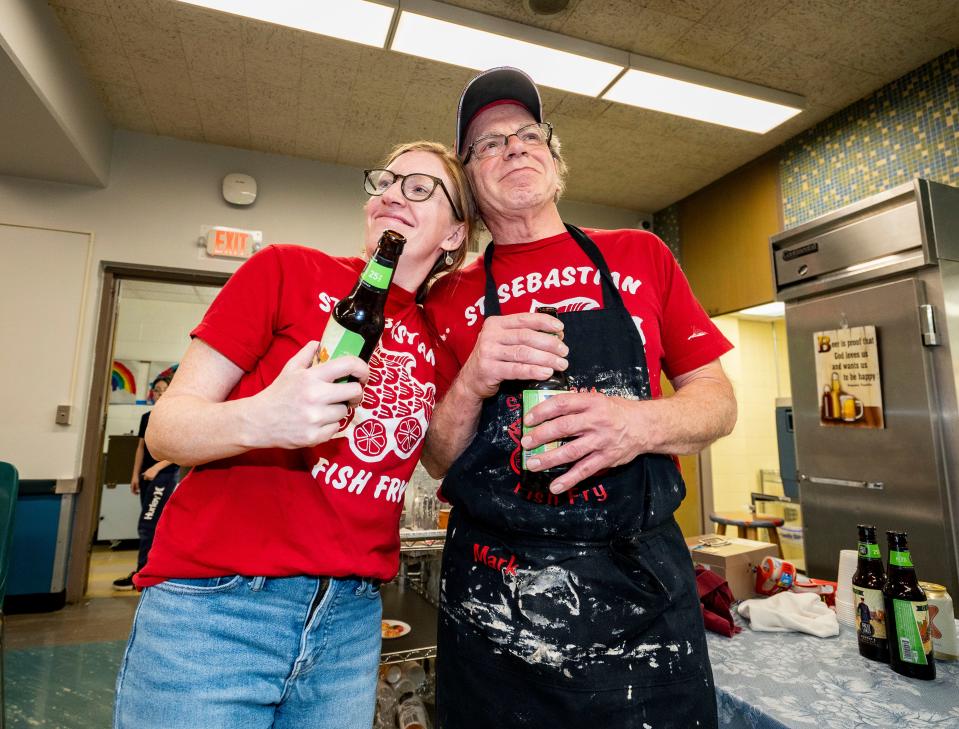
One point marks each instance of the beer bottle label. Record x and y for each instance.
(377, 275)
(913, 637)
(869, 551)
(870, 615)
(532, 398)
(900, 559)
(337, 342)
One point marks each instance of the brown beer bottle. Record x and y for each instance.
(535, 392)
(357, 321)
(907, 614)
(867, 584)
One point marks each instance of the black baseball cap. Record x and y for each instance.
(500, 84)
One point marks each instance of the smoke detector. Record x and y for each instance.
(546, 7)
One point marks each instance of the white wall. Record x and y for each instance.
(759, 372)
(162, 191)
(148, 330)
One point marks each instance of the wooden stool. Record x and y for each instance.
(748, 524)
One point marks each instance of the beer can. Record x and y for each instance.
(945, 644)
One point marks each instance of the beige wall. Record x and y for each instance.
(160, 193)
(759, 372)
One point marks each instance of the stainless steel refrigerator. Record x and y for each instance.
(891, 262)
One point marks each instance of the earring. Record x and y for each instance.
(449, 258)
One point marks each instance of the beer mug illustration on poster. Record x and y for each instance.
(850, 408)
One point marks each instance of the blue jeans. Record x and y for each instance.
(251, 653)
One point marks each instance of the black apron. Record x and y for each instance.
(578, 609)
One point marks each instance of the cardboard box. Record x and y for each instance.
(735, 560)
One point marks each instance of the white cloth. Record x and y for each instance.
(791, 611)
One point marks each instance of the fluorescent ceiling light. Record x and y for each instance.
(359, 21)
(773, 310)
(674, 89)
(473, 40)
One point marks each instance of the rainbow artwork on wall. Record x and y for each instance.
(123, 383)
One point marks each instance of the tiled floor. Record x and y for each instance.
(60, 667)
(107, 565)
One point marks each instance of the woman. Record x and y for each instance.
(261, 606)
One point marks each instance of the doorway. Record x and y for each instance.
(145, 316)
(152, 329)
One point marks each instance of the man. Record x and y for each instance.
(579, 604)
(154, 481)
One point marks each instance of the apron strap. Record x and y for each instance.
(611, 296)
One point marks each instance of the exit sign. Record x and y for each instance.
(233, 242)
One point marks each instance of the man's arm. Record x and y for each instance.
(604, 432)
(514, 347)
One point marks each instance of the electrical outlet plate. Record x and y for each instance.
(63, 414)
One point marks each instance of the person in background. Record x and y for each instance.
(575, 606)
(261, 605)
(154, 481)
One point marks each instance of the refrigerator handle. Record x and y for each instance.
(873, 485)
(927, 325)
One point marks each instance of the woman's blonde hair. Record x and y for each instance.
(462, 197)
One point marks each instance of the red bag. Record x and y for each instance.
(716, 599)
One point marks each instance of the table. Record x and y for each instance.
(776, 680)
(403, 603)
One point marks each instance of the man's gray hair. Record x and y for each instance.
(562, 169)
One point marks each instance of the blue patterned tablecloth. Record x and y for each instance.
(776, 680)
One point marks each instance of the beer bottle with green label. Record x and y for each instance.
(356, 324)
(867, 584)
(907, 614)
(535, 392)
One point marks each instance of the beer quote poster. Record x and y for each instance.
(847, 378)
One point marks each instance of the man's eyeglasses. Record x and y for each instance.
(416, 187)
(490, 145)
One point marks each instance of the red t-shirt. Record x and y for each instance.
(677, 334)
(330, 510)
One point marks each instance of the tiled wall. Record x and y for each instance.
(666, 226)
(906, 129)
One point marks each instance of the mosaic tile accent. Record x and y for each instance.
(666, 226)
(908, 128)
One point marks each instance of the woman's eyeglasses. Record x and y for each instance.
(416, 187)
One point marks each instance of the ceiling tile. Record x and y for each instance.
(171, 77)
(740, 16)
(818, 20)
(125, 106)
(174, 116)
(703, 47)
(159, 14)
(214, 55)
(167, 67)
(690, 9)
(106, 66)
(657, 32)
(90, 30)
(273, 110)
(150, 43)
(98, 7)
(273, 144)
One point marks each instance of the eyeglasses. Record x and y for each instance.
(490, 145)
(416, 187)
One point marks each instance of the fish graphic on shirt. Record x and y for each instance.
(576, 303)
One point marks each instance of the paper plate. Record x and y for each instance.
(394, 628)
